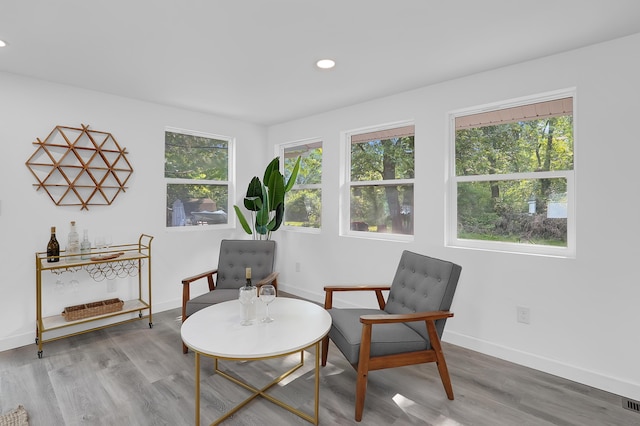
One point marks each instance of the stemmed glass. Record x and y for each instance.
(59, 285)
(100, 245)
(267, 295)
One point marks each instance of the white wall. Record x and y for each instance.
(30, 109)
(584, 311)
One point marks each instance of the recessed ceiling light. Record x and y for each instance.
(326, 64)
(2, 43)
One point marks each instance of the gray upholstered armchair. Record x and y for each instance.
(407, 328)
(235, 257)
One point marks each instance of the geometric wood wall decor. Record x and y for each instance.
(80, 167)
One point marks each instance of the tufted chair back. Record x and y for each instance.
(422, 284)
(237, 255)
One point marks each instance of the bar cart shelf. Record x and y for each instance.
(117, 262)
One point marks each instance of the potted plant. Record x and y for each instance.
(265, 201)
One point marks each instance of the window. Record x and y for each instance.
(512, 183)
(303, 203)
(380, 180)
(196, 169)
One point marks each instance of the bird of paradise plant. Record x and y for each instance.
(265, 201)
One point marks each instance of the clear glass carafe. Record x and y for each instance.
(248, 296)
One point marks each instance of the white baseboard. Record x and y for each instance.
(547, 365)
(296, 291)
(594, 379)
(12, 342)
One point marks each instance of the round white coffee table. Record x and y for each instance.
(216, 332)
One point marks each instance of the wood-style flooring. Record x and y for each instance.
(132, 375)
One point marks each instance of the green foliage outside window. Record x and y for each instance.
(514, 210)
(197, 170)
(381, 204)
(304, 201)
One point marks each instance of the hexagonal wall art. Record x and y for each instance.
(80, 167)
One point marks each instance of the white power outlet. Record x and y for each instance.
(111, 286)
(523, 315)
(297, 266)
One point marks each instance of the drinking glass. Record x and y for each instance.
(267, 295)
(100, 245)
(59, 288)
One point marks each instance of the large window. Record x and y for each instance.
(380, 180)
(512, 183)
(196, 170)
(303, 203)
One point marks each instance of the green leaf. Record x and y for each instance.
(278, 218)
(254, 193)
(243, 220)
(262, 215)
(276, 189)
(273, 166)
(294, 176)
(262, 230)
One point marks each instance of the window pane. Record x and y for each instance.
(189, 205)
(303, 208)
(303, 203)
(310, 163)
(195, 157)
(520, 147)
(382, 209)
(387, 159)
(530, 211)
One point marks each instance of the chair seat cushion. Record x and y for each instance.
(210, 298)
(386, 339)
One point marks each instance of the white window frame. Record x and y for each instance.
(280, 152)
(346, 185)
(451, 201)
(230, 182)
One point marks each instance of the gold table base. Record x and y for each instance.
(263, 391)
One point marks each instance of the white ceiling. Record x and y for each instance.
(253, 60)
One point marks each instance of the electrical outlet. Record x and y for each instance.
(297, 266)
(523, 315)
(111, 286)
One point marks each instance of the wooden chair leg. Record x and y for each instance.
(363, 370)
(185, 298)
(440, 361)
(185, 349)
(361, 391)
(325, 350)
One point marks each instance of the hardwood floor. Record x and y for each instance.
(133, 375)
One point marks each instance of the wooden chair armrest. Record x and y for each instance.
(394, 318)
(377, 288)
(360, 287)
(191, 279)
(272, 278)
(186, 291)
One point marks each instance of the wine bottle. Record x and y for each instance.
(248, 295)
(85, 246)
(53, 247)
(73, 244)
(248, 277)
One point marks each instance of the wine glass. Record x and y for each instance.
(59, 288)
(267, 295)
(100, 245)
(108, 242)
